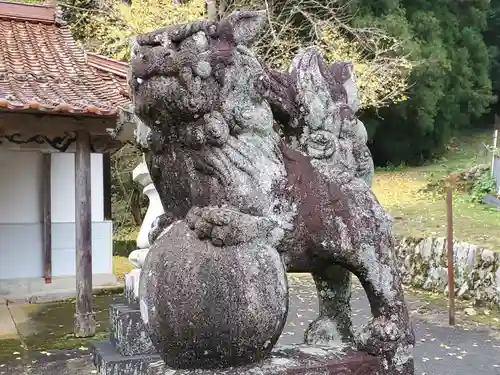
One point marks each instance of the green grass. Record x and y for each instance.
(121, 266)
(423, 215)
(49, 326)
(124, 241)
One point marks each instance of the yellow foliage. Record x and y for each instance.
(114, 29)
(380, 79)
(381, 69)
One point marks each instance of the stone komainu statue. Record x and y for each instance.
(243, 153)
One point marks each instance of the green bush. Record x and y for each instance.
(124, 241)
(482, 186)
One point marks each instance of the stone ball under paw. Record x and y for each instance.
(206, 306)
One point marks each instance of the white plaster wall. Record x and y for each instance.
(20, 181)
(21, 215)
(63, 188)
(20, 187)
(21, 249)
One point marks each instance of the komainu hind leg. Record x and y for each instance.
(334, 325)
(389, 332)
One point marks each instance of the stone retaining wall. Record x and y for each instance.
(423, 264)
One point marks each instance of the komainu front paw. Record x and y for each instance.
(325, 331)
(225, 226)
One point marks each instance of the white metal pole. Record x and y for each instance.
(495, 137)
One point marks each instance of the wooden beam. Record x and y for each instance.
(106, 176)
(47, 218)
(36, 123)
(85, 324)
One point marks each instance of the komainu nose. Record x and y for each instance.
(148, 61)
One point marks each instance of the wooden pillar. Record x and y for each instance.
(106, 176)
(84, 318)
(47, 217)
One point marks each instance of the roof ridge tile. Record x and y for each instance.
(32, 12)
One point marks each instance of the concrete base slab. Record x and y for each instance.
(296, 359)
(35, 290)
(109, 362)
(22, 318)
(8, 329)
(492, 200)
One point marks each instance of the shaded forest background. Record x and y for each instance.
(427, 69)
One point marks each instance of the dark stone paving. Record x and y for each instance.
(440, 350)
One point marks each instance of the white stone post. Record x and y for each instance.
(155, 209)
(141, 175)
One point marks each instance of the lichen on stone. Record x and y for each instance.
(244, 202)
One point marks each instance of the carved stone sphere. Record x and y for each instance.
(206, 306)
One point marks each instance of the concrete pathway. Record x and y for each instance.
(440, 350)
(8, 329)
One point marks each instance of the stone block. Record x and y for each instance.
(109, 362)
(297, 359)
(128, 332)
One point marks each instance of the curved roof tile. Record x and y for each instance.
(43, 69)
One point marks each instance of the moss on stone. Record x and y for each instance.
(50, 327)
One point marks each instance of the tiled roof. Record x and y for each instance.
(42, 68)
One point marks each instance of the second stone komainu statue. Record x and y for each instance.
(259, 172)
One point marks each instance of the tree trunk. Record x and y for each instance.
(211, 6)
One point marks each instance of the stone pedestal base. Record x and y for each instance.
(292, 360)
(128, 334)
(108, 361)
(130, 350)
